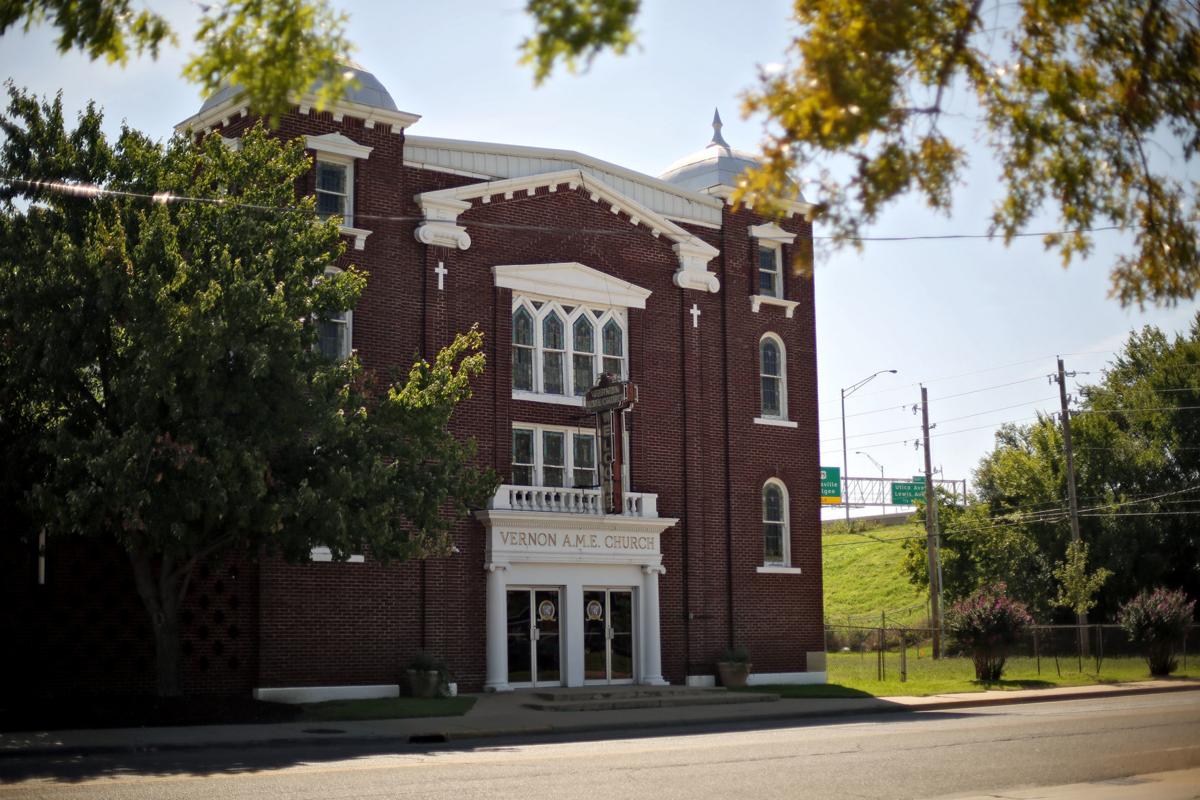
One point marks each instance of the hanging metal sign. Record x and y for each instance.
(608, 400)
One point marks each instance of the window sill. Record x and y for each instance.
(556, 399)
(360, 236)
(324, 554)
(758, 300)
(778, 423)
(775, 569)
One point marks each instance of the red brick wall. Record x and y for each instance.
(692, 436)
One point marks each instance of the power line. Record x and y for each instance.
(97, 191)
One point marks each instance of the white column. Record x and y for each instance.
(497, 630)
(651, 646)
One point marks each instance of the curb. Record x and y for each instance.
(444, 737)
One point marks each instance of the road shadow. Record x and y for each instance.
(256, 758)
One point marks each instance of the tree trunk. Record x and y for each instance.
(162, 599)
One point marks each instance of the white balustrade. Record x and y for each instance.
(569, 501)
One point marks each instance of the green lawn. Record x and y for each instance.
(862, 577)
(386, 708)
(856, 675)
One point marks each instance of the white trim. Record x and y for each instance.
(324, 554)
(538, 397)
(759, 300)
(778, 423)
(701, 681)
(773, 569)
(337, 144)
(348, 196)
(771, 232)
(801, 207)
(767, 678)
(320, 694)
(570, 281)
(692, 252)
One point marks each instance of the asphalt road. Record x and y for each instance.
(926, 754)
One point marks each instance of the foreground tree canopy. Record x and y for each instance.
(1136, 439)
(274, 49)
(1078, 99)
(160, 382)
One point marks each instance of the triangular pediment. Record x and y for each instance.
(571, 281)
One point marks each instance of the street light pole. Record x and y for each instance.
(882, 497)
(846, 392)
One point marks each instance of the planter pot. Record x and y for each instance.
(423, 683)
(733, 673)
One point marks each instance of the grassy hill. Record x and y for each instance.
(862, 577)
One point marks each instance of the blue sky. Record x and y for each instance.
(969, 318)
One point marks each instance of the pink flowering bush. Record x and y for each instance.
(988, 623)
(1157, 620)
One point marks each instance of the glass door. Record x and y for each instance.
(534, 641)
(608, 636)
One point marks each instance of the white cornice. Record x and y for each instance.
(801, 207)
(337, 144)
(444, 205)
(571, 281)
(235, 108)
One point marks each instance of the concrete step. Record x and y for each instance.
(616, 702)
(621, 692)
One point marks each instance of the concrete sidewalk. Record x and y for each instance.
(505, 715)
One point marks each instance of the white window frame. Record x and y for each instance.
(334, 148)
(765, 418)
(777, 253)
(347, 164)
(347, 319)
(568, 451)
(786, 522)
(614, 313)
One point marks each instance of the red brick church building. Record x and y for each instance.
(571, 266)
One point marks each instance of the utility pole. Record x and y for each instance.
(931, 535)
(1072, 501)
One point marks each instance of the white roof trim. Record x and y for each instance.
(771, 232)
(801, 207)
(571, 281)
(235, 107)
(525, 151)
(442, 208)
(337, 144)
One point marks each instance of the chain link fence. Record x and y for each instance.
(899, 652)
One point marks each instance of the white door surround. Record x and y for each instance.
(572, 553)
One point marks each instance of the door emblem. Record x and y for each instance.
(546, 611)
(595, 610)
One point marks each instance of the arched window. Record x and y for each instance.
(775, 524)
(522, 350)
(584, 358)
(334, 332)
(553, 347)
(772, 375)
(614, 349)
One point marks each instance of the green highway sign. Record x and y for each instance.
(831, 485)
(907, 494)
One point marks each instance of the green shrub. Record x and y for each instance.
(987, 624)
(1157, 620)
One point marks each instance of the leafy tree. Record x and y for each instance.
(1157, 621)
(1077, 587)
(1137, 460)
(159, 378)
(1073, 95)
(574, 30)
(988, 622)
(273, 49)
